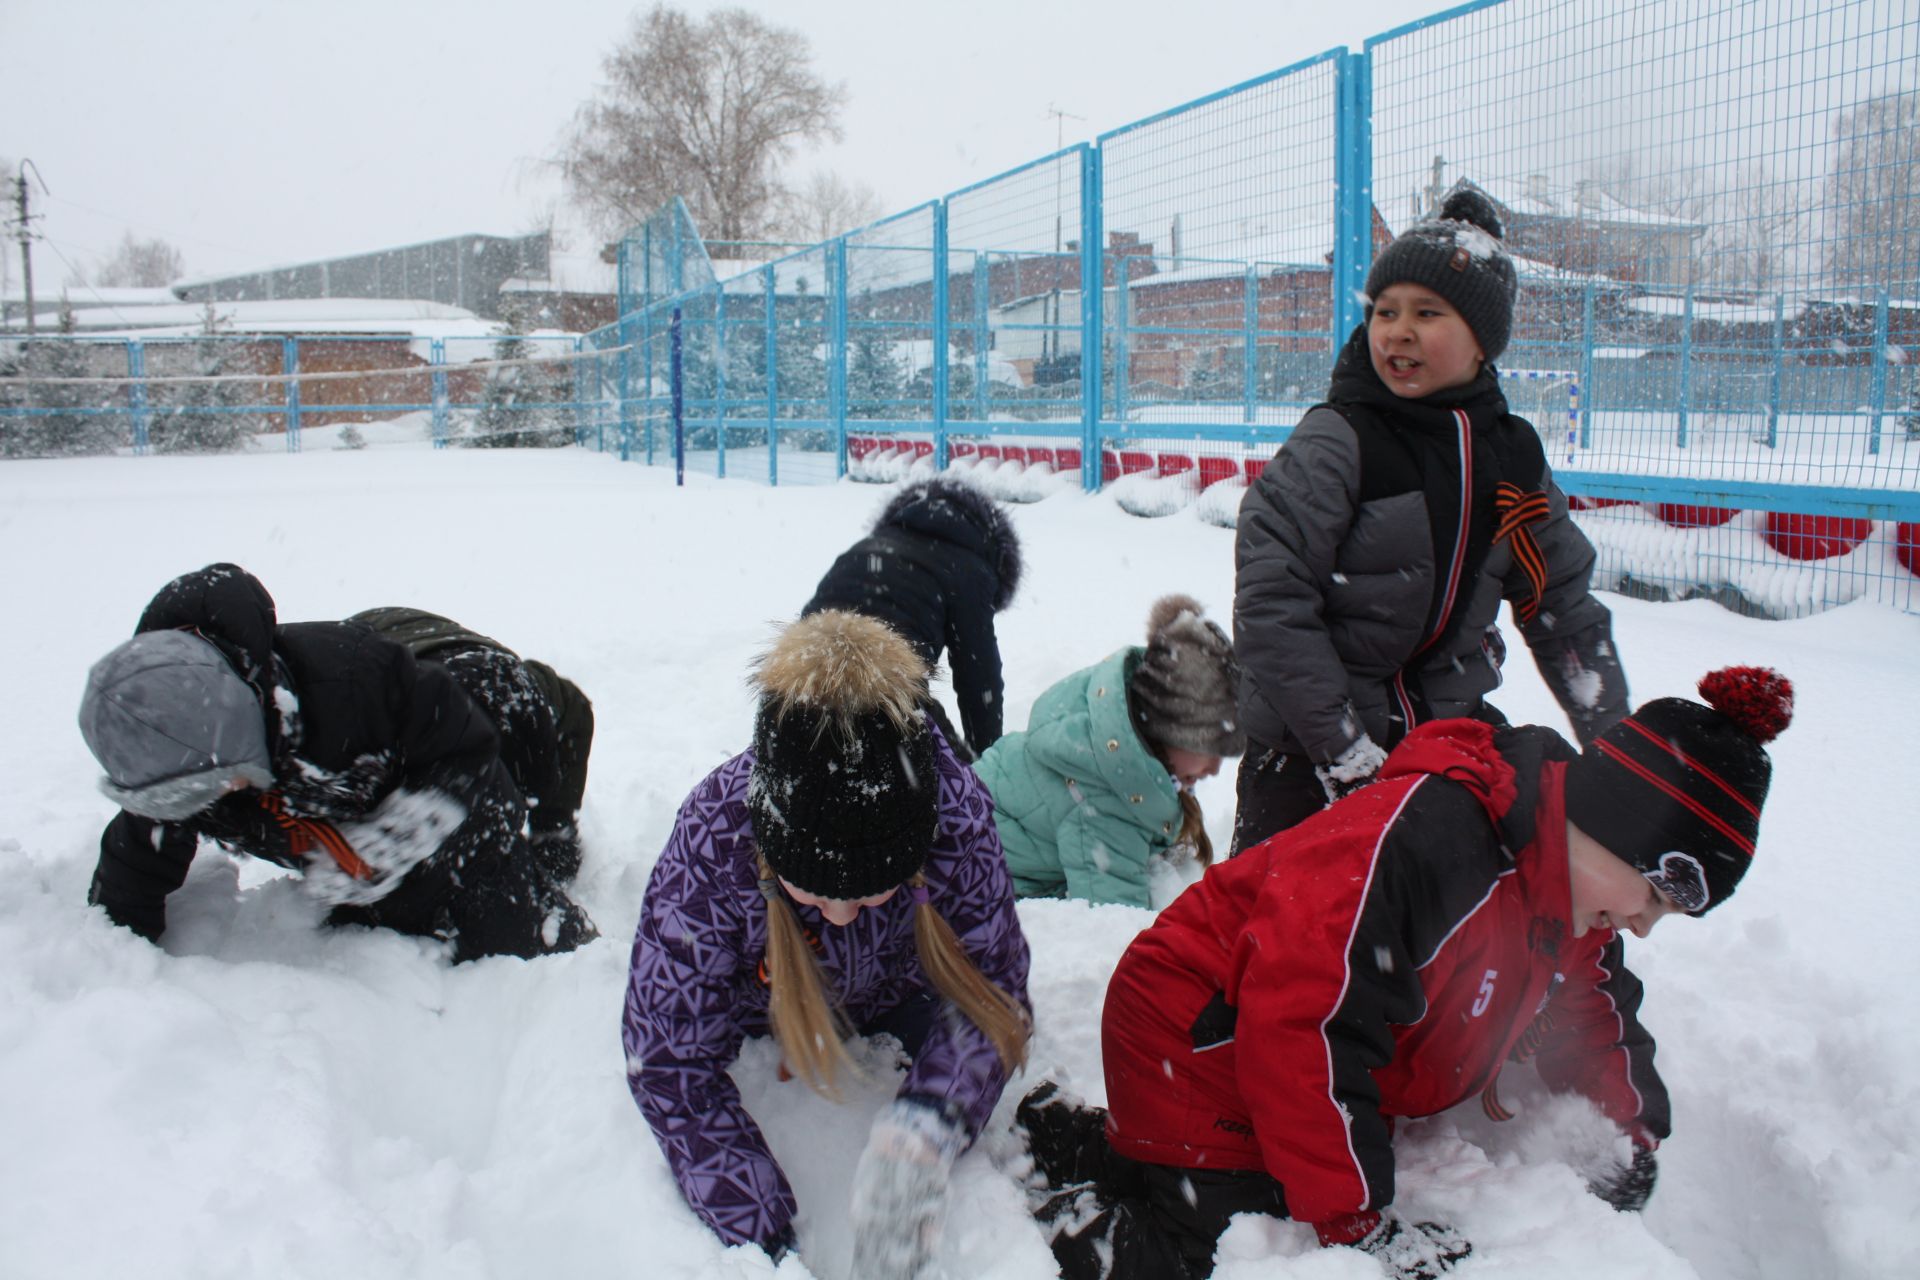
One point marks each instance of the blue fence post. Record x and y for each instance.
(837, 354)
(719, 381)
(772, 344)
(673, 374)
(578, 384)
(1353, 191)
(982, 335)
(290, 365)
(623, 385)
(1686, 366)
(1879, 367)
(1092, 314)
(941, 356)
(1586, 366)
(1776, 369)
(1250, 342)
(1122, 341)
(437, 359)
(142, 414)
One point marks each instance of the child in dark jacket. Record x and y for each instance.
(1375, 550)
(321, 747)
(841, 877)
(1102, 778)
(941, 561)
(1384, 959)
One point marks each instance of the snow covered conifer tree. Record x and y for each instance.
(206, 414)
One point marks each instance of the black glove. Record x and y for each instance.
(1415, 1250)
(1351, 770)
(148, 919)
(1627, 1189)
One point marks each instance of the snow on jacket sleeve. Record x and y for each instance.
(681, 1034)
(973, 659)
(1571, 637)
(1292, 523)
(1598, 1048)
(968, 882)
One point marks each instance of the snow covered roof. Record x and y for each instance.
(1539, 196)
(398, 317)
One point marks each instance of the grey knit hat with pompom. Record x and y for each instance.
(1457, 255)
(1182, 691)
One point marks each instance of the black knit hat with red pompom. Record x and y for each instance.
(1676, 788)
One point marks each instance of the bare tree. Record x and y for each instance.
(141, 264)
(1873, 194)
(706, 110)
(822, 205)
(1755, 221)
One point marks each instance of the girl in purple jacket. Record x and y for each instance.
(841, 877)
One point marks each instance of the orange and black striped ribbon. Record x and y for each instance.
(305, 835)
(1514, 509)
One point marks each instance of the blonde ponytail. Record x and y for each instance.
(999, 1016)
(811, 1030)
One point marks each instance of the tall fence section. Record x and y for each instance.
(1714, 209)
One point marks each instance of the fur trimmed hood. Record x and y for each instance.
(842, 666)
(939, 504)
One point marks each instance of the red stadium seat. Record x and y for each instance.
(1803, 537)
(1254, 467)
(1906, 547)
(990, 452)
(1682, 516)
(1132, 462)
(1066, 459)
(961, 449)
(1173, 464)
(1214, 470)
(1109, 466)
(1036, 456)
(1016, 453)
(921, 448)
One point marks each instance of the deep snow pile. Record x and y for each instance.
(262, 1098)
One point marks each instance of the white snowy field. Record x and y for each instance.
(260, 1097)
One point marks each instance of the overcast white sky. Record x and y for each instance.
(251, 134)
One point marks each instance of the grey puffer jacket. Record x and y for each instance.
(1372, 557)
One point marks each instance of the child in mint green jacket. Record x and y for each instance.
(1102, 778)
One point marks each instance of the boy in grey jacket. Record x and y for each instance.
(1374, 551)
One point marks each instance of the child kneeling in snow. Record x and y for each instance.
(842, 876)
(1102, 777)
(1384, 959)
(319, 746)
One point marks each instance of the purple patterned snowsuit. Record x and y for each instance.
(694, 992)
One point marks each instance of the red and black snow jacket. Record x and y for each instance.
(1383, 959)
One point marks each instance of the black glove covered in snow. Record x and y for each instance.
(1627, 1189)
(900, 1188)
(1414, 1250)
(1352, 769)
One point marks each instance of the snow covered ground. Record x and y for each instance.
(262, 1098)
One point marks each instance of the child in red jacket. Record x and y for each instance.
(1384, 959)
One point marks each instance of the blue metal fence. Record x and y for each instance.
(1714, 208)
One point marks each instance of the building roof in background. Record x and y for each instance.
(376, 316)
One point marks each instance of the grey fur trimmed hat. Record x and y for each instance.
(1182, 691)
(1458, 255)
(173, 726)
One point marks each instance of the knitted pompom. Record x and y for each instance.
(1468, 205)
(1758, 699)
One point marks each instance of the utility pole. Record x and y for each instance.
(1052, 334)
(23, 231)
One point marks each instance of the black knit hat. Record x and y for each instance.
(1676, 788)
(1458, 256)
(1182, 691)
(844, 793)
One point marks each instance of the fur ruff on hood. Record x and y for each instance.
(980, 510)
(844, 665)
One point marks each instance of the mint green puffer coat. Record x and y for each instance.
(1080, 802)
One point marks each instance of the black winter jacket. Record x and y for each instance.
(941, 561)
(386, 751)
